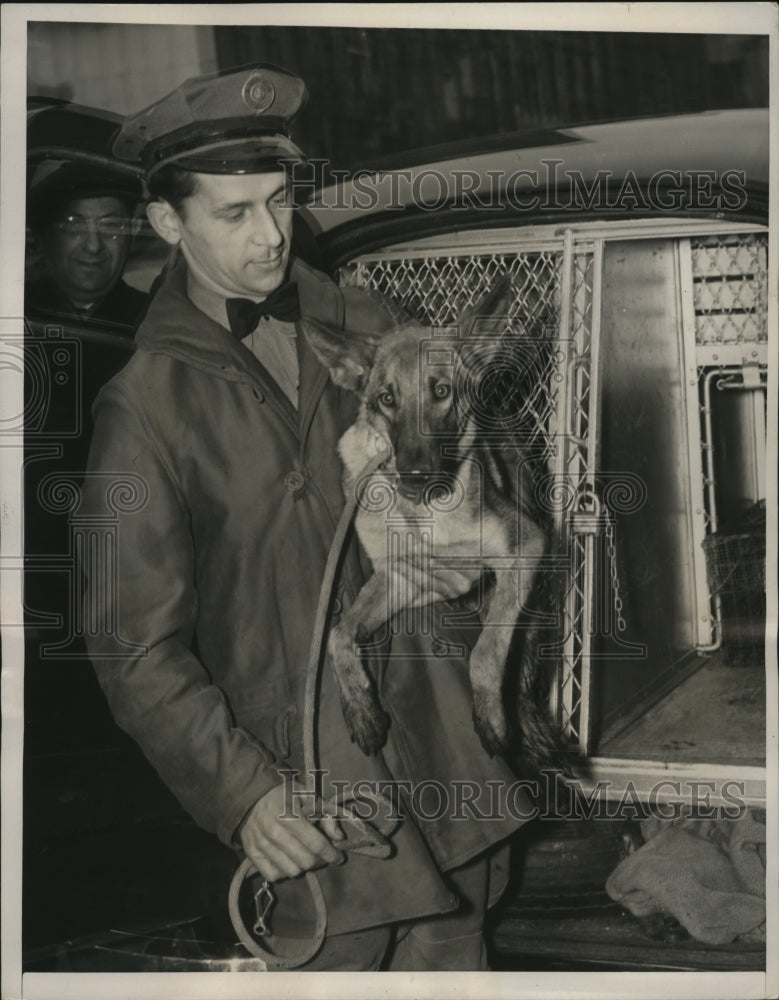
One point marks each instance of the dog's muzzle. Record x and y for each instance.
(418, 486)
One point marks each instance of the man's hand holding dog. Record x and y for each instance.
(282, 844)
(425, 584)
(446, 585)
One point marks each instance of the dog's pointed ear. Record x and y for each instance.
(348, 356)
(491, 314)
(481, 328)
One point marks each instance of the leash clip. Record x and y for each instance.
(263, 903)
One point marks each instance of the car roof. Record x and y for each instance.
(59, 130)
(371, 199)
(716, 143)
(686, 130)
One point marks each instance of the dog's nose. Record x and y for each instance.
(411, 484)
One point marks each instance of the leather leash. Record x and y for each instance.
(362, 837)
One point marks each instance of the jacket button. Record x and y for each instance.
(295, 482)
(258, 395)
(337, 607)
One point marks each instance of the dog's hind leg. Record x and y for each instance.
(487, 664)
(366, 720)
(489, 655)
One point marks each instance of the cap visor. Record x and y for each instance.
(242, 156)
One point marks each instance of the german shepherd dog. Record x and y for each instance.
(419, 400)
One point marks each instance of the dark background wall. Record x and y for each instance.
(377, 91)
(381, 91)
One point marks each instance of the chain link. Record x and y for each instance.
(611, 548)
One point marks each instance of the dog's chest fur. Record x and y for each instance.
(455, 526)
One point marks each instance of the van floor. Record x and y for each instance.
(716, 715)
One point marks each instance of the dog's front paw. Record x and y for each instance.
(489, 721)
(486, 672)
(367, 722)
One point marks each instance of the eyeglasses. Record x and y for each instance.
(110, 228)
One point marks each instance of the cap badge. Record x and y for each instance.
(258, 93)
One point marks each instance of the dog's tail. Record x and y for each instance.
(541, 740)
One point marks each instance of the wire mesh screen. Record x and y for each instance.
(730, 288)
(436, 290)
(551, 404)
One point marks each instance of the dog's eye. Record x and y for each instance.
(442, 390)
(386, 398)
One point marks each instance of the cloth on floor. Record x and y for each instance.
(708, 873)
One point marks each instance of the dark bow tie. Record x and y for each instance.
(243, 315)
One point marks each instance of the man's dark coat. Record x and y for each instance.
(222, 537)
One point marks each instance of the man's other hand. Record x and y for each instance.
(282, 841)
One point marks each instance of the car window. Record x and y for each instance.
(53, 265)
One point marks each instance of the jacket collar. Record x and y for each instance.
(175, 326)
(207, 301)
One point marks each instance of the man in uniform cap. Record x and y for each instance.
(230, 423)
(81, 219)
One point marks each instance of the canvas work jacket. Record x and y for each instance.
(223, 501)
